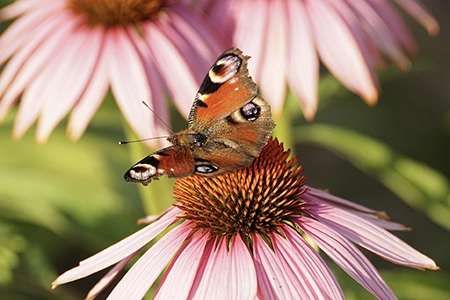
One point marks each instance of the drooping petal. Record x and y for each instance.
(90, 100)
(36, 94)
(188, 41)
(394, 22)
(128, 79)
(21, 7)
(272, 79)
(380, 33)
(158, 105)
(416, 9)
(371, 237)
(216, 41)
(180, 275)
(340, 48)
(141, 276)
(227, 274)
(304, 261)
(303, 70)
(118, 251)
(169, 62)
(251, 36)
(70, 76)
(347, 256)
(23, 29)
(29, 61)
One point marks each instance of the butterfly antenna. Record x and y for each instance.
(143, 140)
(156, 115)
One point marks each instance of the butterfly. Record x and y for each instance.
(228, 125)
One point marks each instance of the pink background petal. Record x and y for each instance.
(92, 96)
(272, 78)
(72, 71)
(303, 70)
(340, 51)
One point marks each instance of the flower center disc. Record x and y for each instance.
(256, 199)
(115, 12)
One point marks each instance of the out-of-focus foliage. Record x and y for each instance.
(63, 201)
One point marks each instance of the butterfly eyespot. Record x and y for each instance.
(205, 169)
(250, 111)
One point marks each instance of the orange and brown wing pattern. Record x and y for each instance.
(173, 161)
(226, 88)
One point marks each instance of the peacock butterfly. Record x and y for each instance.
(228, 125)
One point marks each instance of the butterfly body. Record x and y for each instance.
(227, 127)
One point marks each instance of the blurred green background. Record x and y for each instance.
(64, 201)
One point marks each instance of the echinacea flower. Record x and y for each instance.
(286, 40)
(241, 236)
(63, 55)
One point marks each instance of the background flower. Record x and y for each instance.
(65, 55)
(286, 40)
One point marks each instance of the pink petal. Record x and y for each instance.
(418, 12)
(129, 82)
(220, 12)
(378, 218)
(21, 30)
(179, 277)
(274, 66)
(380, 33)
(28, 62)
(21, 7)
(274, 281)
(228, 274)
(251, 36)
(371, 237)
(91, 99)
(347, 256)
(340, 48)
(190, 44)
(307, 265)
(141, 276)
(169, 62)
(109, 277)
(327, 197)
(70, 76)
(395, 23)
(209, 33)
(118, 251)
(157, 89)
(303, 73)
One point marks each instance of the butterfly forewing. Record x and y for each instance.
(226, 88)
